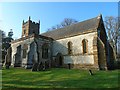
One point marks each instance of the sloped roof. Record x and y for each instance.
(75, 29)
(31, 36)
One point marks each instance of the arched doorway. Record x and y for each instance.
(59, 60)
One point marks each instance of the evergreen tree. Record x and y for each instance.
(6, 43)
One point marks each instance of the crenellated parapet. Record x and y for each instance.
(30, 27)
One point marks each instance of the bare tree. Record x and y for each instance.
(68, 22)
(112, 25)
(64, 23)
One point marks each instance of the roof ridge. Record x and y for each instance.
(79, 27)
(97, 17)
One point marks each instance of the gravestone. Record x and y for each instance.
(8, 58)
(90, 72)
(34, 68)
(46, 65)
(44, 68)
(40, 67)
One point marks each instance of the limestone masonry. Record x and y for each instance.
(83, 45)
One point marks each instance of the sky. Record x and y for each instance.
(12, 14)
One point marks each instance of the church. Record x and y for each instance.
(83, 45)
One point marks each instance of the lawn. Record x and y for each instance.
(58, 78)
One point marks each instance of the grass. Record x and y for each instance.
(58, 78)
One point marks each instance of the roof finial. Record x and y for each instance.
(39, 21)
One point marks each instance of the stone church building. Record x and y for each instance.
(83, 45)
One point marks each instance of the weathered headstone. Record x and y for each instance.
(8, 58)
(44, 67)
(34, 68)
(40, 67)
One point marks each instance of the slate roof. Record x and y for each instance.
(75, 29)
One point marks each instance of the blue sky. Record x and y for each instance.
(51, 13)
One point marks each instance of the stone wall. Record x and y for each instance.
(17, 52)
(101, 55)
(111, 57)
(95, 52)
(32, 47)
(41, 42)
(77, 58)
(102, 47)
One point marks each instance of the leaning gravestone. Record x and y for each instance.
(47, 65)
(90, 72)
(40, 67)
(34, 68)
(44, 67)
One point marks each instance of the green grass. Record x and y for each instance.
(58, 78)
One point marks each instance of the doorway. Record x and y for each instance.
(59, 60)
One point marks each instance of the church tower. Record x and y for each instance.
(30, 27)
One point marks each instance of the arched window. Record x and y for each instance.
(85, 46)
(25, 47)
(69, 47)
(45, 51)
